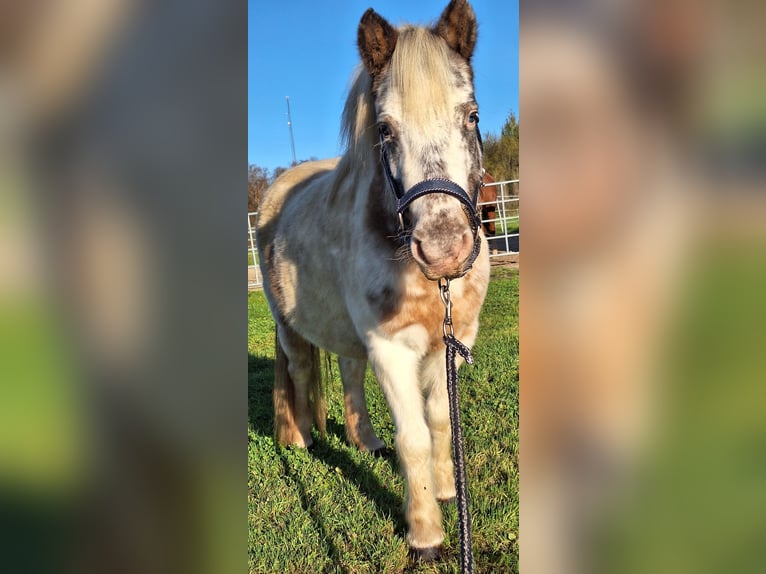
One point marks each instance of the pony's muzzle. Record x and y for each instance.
(439, 255)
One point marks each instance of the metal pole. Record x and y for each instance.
(290, 125)
(253, 251)
(505, 218)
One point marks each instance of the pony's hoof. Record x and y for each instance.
(430, 554)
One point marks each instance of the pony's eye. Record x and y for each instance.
(473, 119)
(385, 131)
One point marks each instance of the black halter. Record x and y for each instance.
(435, 185)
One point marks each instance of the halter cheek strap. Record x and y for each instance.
(435, 185)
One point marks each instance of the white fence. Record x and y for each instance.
(254, 278)
(505, 241)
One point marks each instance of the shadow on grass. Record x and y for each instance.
(260, 376)
(310, 508)
(360, 473)
(260, 381)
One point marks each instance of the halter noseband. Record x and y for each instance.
(435, 185)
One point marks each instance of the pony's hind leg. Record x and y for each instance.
(298, 395)
(358, 427)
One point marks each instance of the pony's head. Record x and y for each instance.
(421, 87)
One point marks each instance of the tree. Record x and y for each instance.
(501, 153)
(257, 182)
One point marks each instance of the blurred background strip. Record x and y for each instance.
(123, 140)
(642, 318)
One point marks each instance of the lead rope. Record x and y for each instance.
(455, 346)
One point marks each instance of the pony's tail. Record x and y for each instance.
(285, 425)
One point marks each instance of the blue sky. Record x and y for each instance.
(307, 50)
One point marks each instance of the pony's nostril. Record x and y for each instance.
(418, 252)
(466, 246)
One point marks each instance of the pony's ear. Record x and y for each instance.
(376, 39)
(458, 27)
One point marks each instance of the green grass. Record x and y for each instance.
(507, 225)
(335, 509)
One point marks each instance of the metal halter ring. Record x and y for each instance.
(444, 294)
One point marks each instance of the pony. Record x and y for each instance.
(345, 271)
(488, 203)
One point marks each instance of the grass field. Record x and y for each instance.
(335, 509)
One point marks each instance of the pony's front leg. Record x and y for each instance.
(437, 415)
(396, 366)
(434, 376)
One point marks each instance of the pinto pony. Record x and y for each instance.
(346, 271)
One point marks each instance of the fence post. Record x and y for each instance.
(253, 250)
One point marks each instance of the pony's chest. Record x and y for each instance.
(422, 306)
